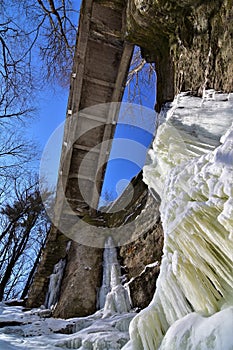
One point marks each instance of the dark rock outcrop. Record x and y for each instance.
(142, 287)
(82, 276)
(54, 251)
(83, 272)
(190, 42)
(81, 280)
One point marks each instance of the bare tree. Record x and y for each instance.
(141, 78)
(37, 39)
(24, 226)
(17, 156)
(30, 31)
(59, 35)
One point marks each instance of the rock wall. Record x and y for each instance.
(54, 251)
(81, 281)
(189, 40)
(82, 277)
(141, 258)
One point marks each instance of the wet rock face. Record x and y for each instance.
(55, 250)
(142, 257)
(81, 281)
(190, 42)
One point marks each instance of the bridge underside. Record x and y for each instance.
(101, 64)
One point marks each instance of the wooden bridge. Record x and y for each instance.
(101, 64)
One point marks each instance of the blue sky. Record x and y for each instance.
(51, 113)
(133, 136)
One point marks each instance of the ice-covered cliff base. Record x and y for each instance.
(106, 329)
(192, 171)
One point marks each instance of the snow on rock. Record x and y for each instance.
(6, 346)
(33, 330)
(193, 174)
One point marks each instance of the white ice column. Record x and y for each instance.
(55, 284)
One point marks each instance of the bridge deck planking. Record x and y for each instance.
(101, 63)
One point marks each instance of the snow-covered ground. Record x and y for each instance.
(33, 329)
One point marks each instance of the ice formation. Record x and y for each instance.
(109, 259)
(113, 296)
(192, 171)
(197, 332)
(55, 284)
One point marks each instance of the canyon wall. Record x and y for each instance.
(138, 228)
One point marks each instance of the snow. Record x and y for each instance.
(34, 331)
(192, 172)
(6, 346)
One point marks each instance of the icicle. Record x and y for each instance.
(113, 297)
(110, 258)
(55, 284)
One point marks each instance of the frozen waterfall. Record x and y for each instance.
(106, 329)
(113, 297)
(192, 171)
(55, 284)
